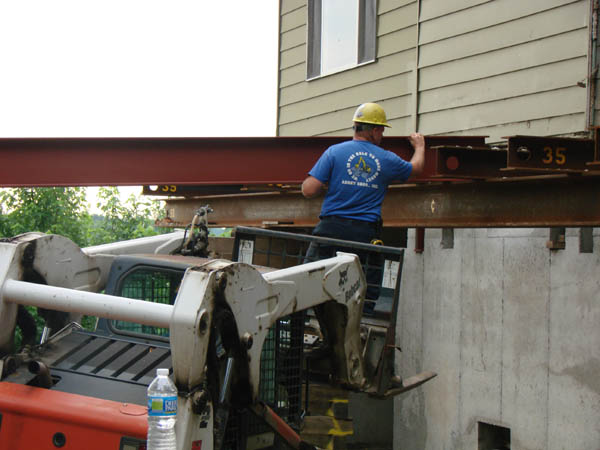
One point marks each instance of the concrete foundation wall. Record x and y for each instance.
(513, 331)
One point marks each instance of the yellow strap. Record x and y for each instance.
(337, 429)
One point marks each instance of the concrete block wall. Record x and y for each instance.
(513, 331)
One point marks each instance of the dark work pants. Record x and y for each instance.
(348, 230)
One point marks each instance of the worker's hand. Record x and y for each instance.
(417, 140)
(418, 159)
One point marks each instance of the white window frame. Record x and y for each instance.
(367, 37)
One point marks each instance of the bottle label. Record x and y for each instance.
(162, 406)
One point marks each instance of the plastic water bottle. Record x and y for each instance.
(162, 412)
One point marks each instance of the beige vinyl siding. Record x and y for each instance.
(397, 41)
(293, 57)
(397, 19)
(483, 15)
(546, 24)
(403, 123)
(505, 62)
(503, 86)
(535, 127)
(293, 38)
(294, 19)
(292, 44)
(512, 59)
(338, 122)
(385, 6)
(289, 6)
(486, 67)
(430, 9)
(389, 66)
(524, 108)
(341, 99)
(325, 105)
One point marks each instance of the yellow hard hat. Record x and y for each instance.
(370, 113)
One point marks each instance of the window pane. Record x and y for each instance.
(367, 33)
(339, 35)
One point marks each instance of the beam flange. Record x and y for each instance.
(538, 202)
(550, 154)
(177, 161)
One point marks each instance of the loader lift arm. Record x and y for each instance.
(254, 300)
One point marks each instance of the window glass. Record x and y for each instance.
(339, 35)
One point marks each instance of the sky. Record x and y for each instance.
(138, 68)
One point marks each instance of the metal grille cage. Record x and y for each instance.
(280, 382)
(152, 285)
(279, 249)
(281, 357)
(282, 372)
(282, 365)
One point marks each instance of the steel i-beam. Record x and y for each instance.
(562, 201)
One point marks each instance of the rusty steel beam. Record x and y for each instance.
(541, 202)
(469, 163)
(177, 161)
(173, 190)
(259, 209)
(550, 155)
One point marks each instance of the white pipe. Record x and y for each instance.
(90, 303)
(294, 272)
(162, 243)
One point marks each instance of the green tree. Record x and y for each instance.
(64, 211)
(57, 210)
(121, 221)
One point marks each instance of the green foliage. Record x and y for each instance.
(64, 211)
(56, 210)
(220, 232)
(39, 323)
(121, 221)
(89, 322)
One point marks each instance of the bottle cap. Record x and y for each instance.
(164, 372)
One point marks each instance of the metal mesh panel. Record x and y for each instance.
(282, 378)
(280, 381)
(281, 357)
(282, 371)
(281, 367)
(289, 352)
(151, 285)
(279, 250)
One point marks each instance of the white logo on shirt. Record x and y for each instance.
(363, 167)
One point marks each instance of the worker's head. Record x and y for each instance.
(369, 122)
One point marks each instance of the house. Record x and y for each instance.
(472, 67)
(510, 325)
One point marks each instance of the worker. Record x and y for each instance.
(357, 174)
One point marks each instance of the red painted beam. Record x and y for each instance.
(178, 161)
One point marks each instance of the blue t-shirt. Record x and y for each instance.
(358, 174)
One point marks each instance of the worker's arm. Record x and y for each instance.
(311, 187)
(418, 160)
